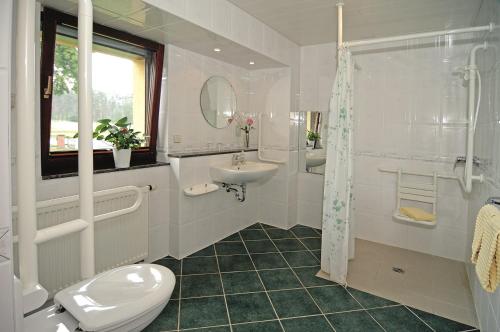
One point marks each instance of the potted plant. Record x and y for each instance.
(313, 138)
(121, 136)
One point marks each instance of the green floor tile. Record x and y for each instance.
(253, 234)
(199, 265)
(317, 254)
(212, 329)
(293, 303)
(201, 285)
(261, 246)
(308, 276)
(300, 259)
(333, 299)
(276, 233)
(369, 301)
(441, 324)
(230, 248)
(271, 326)
(175, 292)
(203, 312)
(255, 226)
(235, 263)
(302, 231)
(279, 279)
(166, 320)
(307, 324)
(312, 243)
(289, 245)
(241, 282)
(398, 319)
(250, 307)
(353, 321)
(231, 238)
(208, 251)
(173, 264)
(268, 261)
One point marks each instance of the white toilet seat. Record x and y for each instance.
(117, 296)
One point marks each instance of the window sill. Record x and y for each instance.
(107, 170)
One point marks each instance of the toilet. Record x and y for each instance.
(124, 299)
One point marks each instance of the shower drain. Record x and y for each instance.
(398, 270)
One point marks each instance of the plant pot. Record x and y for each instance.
(122, 157)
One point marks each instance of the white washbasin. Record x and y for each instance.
(250, 171)
(315, 158)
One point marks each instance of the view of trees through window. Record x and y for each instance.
(119, 90)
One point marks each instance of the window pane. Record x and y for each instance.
(119, 90)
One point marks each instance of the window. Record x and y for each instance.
(126, 81)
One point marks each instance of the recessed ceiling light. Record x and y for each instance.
(252, 63)
(217, 49)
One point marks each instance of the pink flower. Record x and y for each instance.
(249, 121)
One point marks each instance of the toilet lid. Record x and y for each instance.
(117, 295)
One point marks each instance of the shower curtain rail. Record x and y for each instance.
(486, 28)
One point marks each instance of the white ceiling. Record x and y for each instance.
(143, 20)
(308, 22)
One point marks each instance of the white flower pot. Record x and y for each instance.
(122, 157)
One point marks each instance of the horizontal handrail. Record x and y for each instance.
(387, 170)
(74, 198)
(53, 232)
(77, 225)
(120, 212)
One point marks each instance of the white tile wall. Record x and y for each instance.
(486, 148)
(187, 72)
(408, 115)
(197, 222)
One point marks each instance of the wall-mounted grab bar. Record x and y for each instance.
(260, 148)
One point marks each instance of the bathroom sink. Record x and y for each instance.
(249, 171)
(315, 158)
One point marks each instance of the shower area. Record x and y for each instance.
(419, 139)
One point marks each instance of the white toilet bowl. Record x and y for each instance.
(124, 299)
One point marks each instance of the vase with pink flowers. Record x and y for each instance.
(246, 126)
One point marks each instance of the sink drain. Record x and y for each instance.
(398, 270)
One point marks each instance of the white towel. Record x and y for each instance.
(486, 247)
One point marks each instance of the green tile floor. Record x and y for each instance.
(262, 279)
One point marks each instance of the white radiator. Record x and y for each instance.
(119, 241)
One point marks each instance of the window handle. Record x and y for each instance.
(48, 90)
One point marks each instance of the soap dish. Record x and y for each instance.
(200, 189)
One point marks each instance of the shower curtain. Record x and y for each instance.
(338, 173)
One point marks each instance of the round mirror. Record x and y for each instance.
(218, 102)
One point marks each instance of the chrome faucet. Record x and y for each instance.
(238, 159)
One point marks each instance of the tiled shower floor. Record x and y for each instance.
(263, 279)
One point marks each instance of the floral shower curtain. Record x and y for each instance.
(338, 173)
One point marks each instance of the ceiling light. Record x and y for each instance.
(252, 63)
(217, 49)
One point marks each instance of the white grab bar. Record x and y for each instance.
(78, 225)
(387, 170)
(260, 149)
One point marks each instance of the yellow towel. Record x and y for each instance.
(417, 214)
(486, 247)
